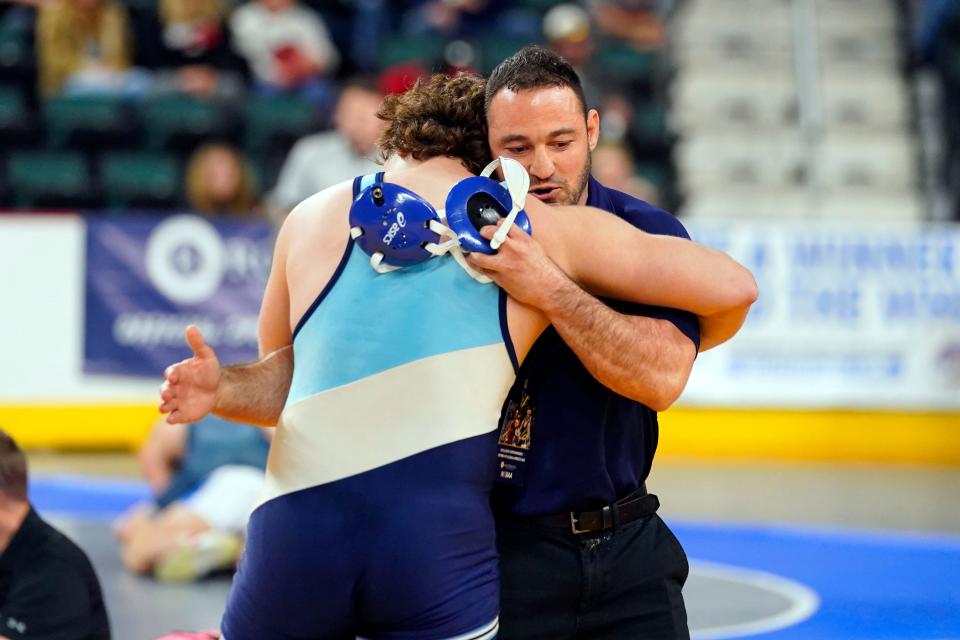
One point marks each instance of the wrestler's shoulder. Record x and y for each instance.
(330, 205)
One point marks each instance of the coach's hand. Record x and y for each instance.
(522, 268)
(189, 390)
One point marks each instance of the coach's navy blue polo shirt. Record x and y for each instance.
(588, 445)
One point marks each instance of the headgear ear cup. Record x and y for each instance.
(476, 202)
(518, 184)
(392, 221)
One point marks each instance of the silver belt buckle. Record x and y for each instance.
(574, 521)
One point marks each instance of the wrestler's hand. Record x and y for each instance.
(523, 269)
(189, 389)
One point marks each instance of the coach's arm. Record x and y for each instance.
(646, 359)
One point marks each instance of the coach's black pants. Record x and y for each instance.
(622, 585)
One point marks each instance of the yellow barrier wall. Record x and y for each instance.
(927, 438)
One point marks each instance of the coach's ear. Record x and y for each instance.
(593, 128)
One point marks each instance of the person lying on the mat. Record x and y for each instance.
(375, 520)
(205, 478)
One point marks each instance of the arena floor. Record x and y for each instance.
(777, 551)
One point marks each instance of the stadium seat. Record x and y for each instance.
(858, 100)
(48, 179)
(867, 160)
(648, 129)
(495, 48)
(713, 160)
(16, 122)
(623, 64)
(273, 122)
(748, 204)
(703, 101)
(17, 60)
(540, 6)
(87, 121)
(139, 179)
(872, 205)
(396, 49)
(182, 122)
(722, 31)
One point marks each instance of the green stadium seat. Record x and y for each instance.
(48, 179)
(15, 48)
(140, 179)
(87, 121)
(624, 64)
(12, 107)
(649, 126)
(178, 121)
(16, 121)
(277, 121)
(140, 5)
(541, 6)
(656, 173)
(396, 49)
(494, 49)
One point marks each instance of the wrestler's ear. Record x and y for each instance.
(593, 128)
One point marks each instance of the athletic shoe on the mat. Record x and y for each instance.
(199, 556)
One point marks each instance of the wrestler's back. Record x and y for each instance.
(376, 504)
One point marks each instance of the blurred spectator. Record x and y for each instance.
(83, 46)
(206, 479)
(613, 166)
(567, 30)
(48, 588)
(287, 47)
(931, 15)
(193, 28)
(324, 159)
(452, 18)
(219, 180)
(196, 56)
(397, 78)
(636, 21)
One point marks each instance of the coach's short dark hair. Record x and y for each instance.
(534, 67)
(13, 468)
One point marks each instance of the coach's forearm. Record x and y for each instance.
(645, 359)
(256, 392)
(720, 327)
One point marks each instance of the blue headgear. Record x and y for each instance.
(393, 225)
(479, 201)
(398, 228)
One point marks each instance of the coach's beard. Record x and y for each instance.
(565, 194)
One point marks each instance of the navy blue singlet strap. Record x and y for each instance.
(362, 182)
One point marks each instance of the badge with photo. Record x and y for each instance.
(515, 438)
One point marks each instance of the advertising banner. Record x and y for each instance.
(147, 278)
(849, 316)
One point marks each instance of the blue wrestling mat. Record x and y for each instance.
(759, 581)
(865, 585)
(84, 496)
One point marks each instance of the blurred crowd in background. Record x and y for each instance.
(233, 106)
(226, 106)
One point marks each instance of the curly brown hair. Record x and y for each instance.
(443, 116)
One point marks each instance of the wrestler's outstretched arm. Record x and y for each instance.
(253, 393)
(610, 257)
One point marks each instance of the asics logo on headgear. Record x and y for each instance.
(395, 228)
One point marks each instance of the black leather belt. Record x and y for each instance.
(634, 506)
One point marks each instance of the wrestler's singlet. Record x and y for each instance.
(376, 518)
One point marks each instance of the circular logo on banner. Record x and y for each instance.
(185, 259)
